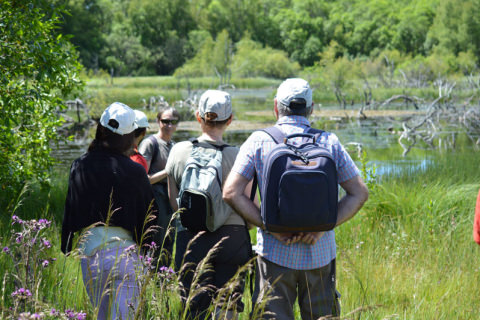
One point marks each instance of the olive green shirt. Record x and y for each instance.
(179, 156)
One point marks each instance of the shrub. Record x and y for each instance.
(38, 70)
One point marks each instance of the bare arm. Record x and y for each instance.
(235, 194)
(357, 194)
(157, 176)
(172, 193)
(350, 204)
(247, 193)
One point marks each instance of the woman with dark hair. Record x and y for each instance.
(109, 197)
(155, 149)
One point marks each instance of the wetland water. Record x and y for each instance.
(253, 109)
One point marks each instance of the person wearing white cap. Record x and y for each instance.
(142, 123)
(214, 115)
(303, 263)
(108, 202)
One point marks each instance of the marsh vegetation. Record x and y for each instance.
(407, 255)
(397, 81)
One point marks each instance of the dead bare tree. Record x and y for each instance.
(367, 99)
(341, 97)
(474, 82)
(79, 107)
(444, 87)
(390, 64)
(415, 78)
(441, 123)
(471, 122)
(413, 99)
(424, 130)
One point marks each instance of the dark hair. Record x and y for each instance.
(107, 139)
(139, 131)
(174, 112)
(210, 121)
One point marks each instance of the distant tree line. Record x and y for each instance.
(262, 37)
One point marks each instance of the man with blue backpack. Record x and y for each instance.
(298, 170)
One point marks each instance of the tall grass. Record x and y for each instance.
(39, 282)
(409, 253)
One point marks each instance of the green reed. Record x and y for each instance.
(409, 254)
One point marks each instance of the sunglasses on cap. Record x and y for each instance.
(169, 121)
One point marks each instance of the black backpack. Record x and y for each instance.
(300, 187)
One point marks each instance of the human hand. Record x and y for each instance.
(287, 237)
(311, 237)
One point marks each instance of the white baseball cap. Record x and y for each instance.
(215, 101)
(123, 114)
(294, 88)
(141, 119)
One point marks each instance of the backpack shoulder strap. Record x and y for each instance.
(316, 132)
(276, 134)
(155, 151)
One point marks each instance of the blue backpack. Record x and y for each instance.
(300, 187)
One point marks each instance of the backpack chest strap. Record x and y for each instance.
(208, 145)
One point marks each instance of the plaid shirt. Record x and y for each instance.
(298, 256)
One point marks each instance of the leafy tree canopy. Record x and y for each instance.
(158, 34)
(38, 69)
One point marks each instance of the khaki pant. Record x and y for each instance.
(315, 290)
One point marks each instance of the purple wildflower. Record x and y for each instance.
(69, 313)
(46, 243)
(54, 312)
(28, 316)
(16, 219)
(131, 249)
(75, 315)
(40, 224)
(148, 261)
(45, 263)
(165, 269)
(6, 249)
(22, 293)
(19, 237)
(44, 222)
